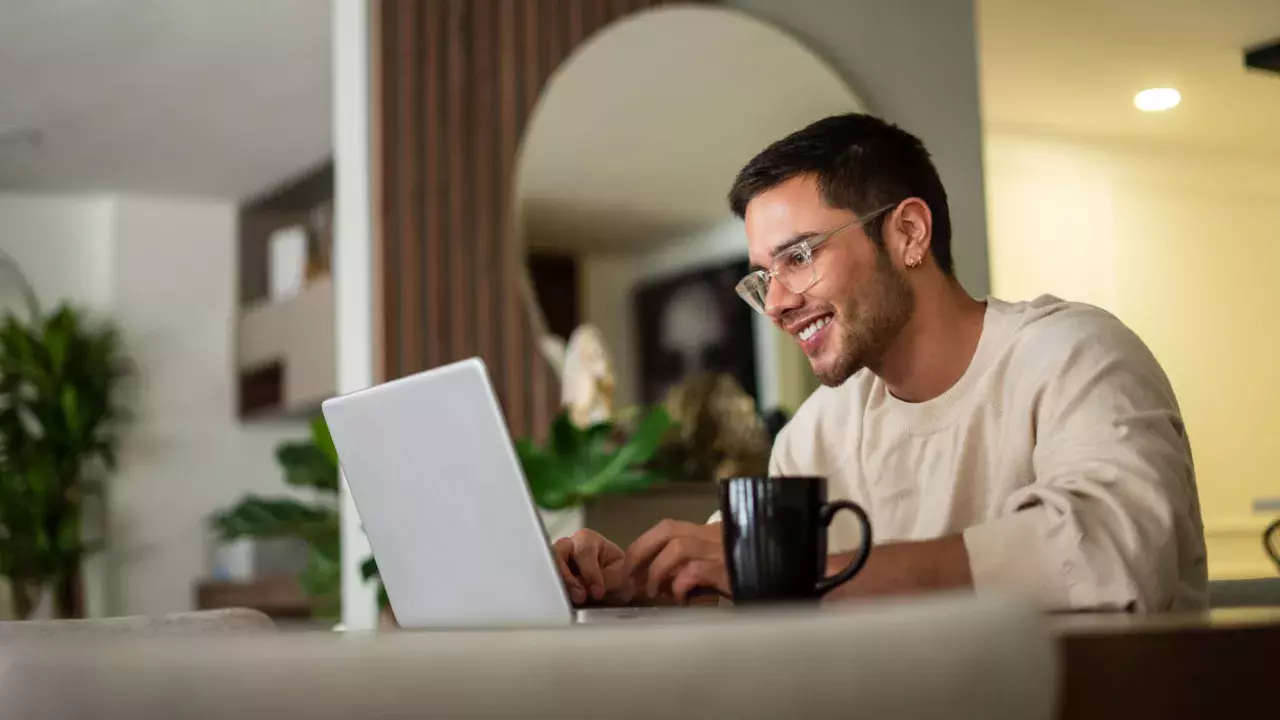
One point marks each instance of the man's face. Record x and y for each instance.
(861, 300)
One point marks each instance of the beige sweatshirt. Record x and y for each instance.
(1060, 455)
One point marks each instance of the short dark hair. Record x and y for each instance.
(862, 163)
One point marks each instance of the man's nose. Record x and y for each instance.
(778, 300)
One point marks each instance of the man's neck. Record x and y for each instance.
(936, 346)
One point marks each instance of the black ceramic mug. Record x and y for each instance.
(775, 538)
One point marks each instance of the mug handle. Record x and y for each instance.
(828, 512)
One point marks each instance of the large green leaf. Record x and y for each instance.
(324, 441)
(565, 436)
(369, 568)
(305, 465)
(578, 464)
(638, 449)
(550, 481)
(259, 517)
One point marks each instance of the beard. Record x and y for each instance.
(868, 322)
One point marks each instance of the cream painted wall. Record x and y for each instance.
(1185, 248)
(186, 454)
(62, 242)
(607, 281)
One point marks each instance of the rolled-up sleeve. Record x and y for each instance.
(1111, 519)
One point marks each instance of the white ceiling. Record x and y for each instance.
(220, 98)
(1073, 66)
(637, 137)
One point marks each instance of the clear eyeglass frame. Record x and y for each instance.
(793, 266)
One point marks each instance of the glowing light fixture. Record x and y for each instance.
(1157, 99)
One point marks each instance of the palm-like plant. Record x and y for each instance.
(59, 375)
(311, 464)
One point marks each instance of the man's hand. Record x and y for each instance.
(679, 557)
(593, 568)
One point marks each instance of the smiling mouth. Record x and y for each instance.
(812, 328)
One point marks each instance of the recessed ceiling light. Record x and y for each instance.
(1157, 99)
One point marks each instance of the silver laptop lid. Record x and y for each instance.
(440, 491)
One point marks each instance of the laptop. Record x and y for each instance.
(440, 491)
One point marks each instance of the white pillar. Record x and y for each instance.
(353, 268)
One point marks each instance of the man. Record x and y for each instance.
(1035, 447)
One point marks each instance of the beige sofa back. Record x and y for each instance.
(935, 659)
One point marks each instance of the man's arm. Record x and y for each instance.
(1110, 519)
(906, 567)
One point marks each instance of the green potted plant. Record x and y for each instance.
(59, 418)
(576, 464)
(310, 464)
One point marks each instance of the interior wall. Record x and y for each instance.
(607, 281)
(1182, 246)
(164, 270)
(62, 242)
(186, 454)
(913, 62)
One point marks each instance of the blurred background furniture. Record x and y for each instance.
(280, 599)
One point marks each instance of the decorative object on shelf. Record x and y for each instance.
(576, 463)
(586, 378)
(310, 464)
(694, 323)
(320, 242)
(287, 262)
(59, 418)
(246, 559)
(719, 432)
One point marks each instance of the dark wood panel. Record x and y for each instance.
(409, 185)
(261, 390)
(510, 118)
(485, 191)
(1216, 665)
(458, 80)
(436, 128)
(278, 598)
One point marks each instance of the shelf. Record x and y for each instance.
(286, 354)
(275, 597)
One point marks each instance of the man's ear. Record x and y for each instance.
(914, 224)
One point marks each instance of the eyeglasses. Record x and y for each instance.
(792, 266)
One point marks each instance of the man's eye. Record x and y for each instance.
(796, 259)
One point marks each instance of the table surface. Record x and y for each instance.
(1079, 624)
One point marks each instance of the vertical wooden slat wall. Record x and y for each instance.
(458, 81)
